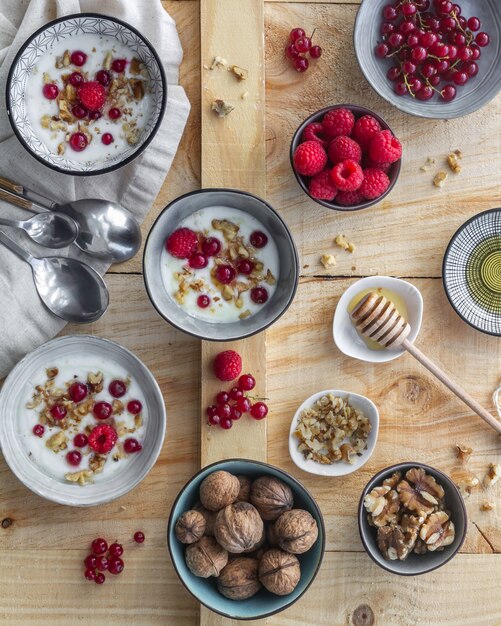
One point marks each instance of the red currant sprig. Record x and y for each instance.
(299, 46)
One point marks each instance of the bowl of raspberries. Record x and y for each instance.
(345, 157)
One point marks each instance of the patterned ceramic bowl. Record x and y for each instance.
(475, 94)
(472, 272)
(415, 563)
(29, 457)
(205, 590)
(35, 64)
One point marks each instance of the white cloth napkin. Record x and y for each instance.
(24, 322)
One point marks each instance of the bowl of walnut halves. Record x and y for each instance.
(245, 538)
(412, 519)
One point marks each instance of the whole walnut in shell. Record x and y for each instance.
(279, 572)
(218, 490)
(239, 528)
(271, 497)
(245, 485)
(190, 527)
(239, 579)
(296, 530)
(209, 516)
(206, 557)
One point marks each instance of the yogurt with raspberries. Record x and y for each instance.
(248, 272)
(110, 134)
(55, 464)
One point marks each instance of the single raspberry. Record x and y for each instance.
(349, 198)
(181, 243)
(315, 132)
(228, 365)
(321, 186)
(309, 158)
(364, 130)
(92, 95)
(342, 148)
(338, 122)
(347, 175)
(367, 163)
(385, 147)
(375, 183)
(102, 438)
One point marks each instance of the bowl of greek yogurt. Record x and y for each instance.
(220, 264)
(86, 94)
(82, 420)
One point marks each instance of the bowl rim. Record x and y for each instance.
(361, 514)
(329, 205)
(300, 486)
(289, 236)
(446, 260)
(140, 149)
(396, 104)
(155, 451)
(366, 454)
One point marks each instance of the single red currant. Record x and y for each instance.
(99, 546)
(117, 388)
(258, 239)
(203, 301)
(131, 446)
(482, 39)
(223, 397)
(116, 566)
(245, 266)
(102, 410)
(102, 563)
(76, 79)
(290, 51)
(100, 578)
(235, 413)
(78, 392)
(90, 574)
(38, 430)
(58, 412)
(78, 58)
(211, 410)
(301, 64)
(246, 382)
(94, 115)
(224, 411)
(296, 33)
(259, 295)
(139, 537)
(259, 411)
(78, 142)
(107, 139)
(315, 52)
(198, 261)
(103, 77)
(236, 393)
(243, 405)
(225, 424)
(79, 111)
(118, 65)
(134, 407)
(80, 440)
(114, 113)
(74, 458)
(90, 561)
(302, 44)
(473, 23)
(225, 274)
(211, 246)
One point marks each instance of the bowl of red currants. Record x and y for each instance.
(345, 157)
(431, 58)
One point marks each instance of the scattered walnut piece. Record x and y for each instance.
(136, 66)
(487, 505)
(245, 314)
(57, 442)
(428, 163)
(440, 178)
(239, 72)
(83, 477)
(463, 453)
(244, 95)
(453, 162)
(343, 243)
(328, 260)
(222, 108)
(219, 62)
(465, 481)
(492, 476)
(51, 372)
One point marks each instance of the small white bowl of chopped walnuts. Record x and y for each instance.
(333, 433)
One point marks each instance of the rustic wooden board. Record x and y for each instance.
(419, 418)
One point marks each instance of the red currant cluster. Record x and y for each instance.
(231, 405)
(430, 45)
(299, 46)
(106, 559)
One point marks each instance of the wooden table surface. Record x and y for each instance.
(42, 544)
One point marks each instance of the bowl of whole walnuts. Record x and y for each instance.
(245, 538)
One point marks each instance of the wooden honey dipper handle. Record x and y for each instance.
(452, 385)
(377, 318)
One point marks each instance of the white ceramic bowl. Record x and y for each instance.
(346, 337)
(12, 401)
(361, 403)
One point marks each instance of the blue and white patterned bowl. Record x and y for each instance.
(40, 44)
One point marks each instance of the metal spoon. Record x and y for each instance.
(69, 288)
(52, 230)
(106, 230)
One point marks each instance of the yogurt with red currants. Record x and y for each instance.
(82, 421)
(220, 264)
(90, 102)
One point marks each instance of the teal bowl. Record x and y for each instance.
(264, 603)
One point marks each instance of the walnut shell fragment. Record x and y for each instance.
(190, 527)
(239, 580)
(296, 531)
(222, 108)
(420, 492)
(239, 528)
(218, 490)
(271, 497)
(279, 572)
(206, 557)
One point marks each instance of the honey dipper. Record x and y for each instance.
(377, 318)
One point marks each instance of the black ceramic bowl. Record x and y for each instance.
(358, 111)
(415, 563)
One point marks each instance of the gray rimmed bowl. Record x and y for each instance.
(264, 603)
(477, 92)
(40, 44)
(13, 396)
(415, 564)
(170, 218)
(358, 111)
